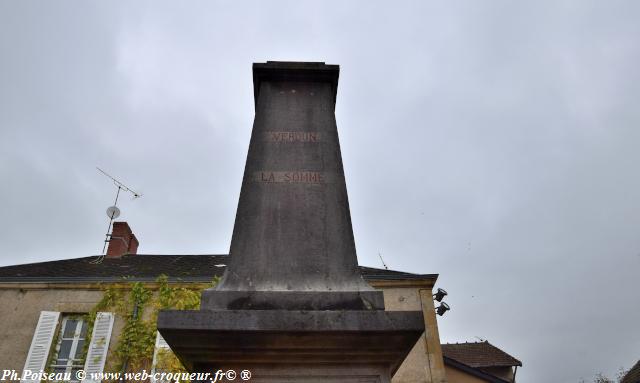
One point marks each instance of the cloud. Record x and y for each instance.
(493, 143)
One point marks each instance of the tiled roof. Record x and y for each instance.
(147, 267)
(633, 375)
(371, 273)
(479, 355)
(475, 371)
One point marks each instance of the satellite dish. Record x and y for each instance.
(113, 212)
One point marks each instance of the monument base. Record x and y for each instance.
(307, 373)
(294, 346)
(214, 299)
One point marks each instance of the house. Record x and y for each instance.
(633, 375)
(478, 362)
(98, 313)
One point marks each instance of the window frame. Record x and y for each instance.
(72, 363)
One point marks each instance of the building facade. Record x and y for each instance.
(72, 314)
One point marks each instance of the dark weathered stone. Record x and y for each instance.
(292, 305)
(292, 300)
(224, 338)
(291, 320)
(293, 227)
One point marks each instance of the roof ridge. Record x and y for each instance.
(145, 266)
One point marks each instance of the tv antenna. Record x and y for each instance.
(382, 260)
(113, 211)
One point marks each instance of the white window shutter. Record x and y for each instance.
(41, 342)
(161, 344)
(97, 353)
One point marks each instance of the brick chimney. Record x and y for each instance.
(122, 241)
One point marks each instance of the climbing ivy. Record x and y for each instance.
(167, 361)
(112, 298)
(179, 298)
(138, 336)
(139, 306)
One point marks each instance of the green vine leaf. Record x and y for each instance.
(136, 342)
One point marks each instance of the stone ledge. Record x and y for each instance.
(211, 339)
(291, 320)
(213, 299)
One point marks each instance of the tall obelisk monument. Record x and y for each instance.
(292, 244)
(292, 305)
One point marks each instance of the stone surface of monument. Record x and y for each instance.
(292, 305)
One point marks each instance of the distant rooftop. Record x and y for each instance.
(479, 359)
(147, 267)
(633, 375)
(479, 354)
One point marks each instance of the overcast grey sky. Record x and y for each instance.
(492, 142)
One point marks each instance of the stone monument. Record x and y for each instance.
(292, 306)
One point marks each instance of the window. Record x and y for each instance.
(69, 350)
(67, 354)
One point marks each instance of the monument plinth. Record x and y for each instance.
(292, 305)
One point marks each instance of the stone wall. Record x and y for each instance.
(21, 309)
(457, 376)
